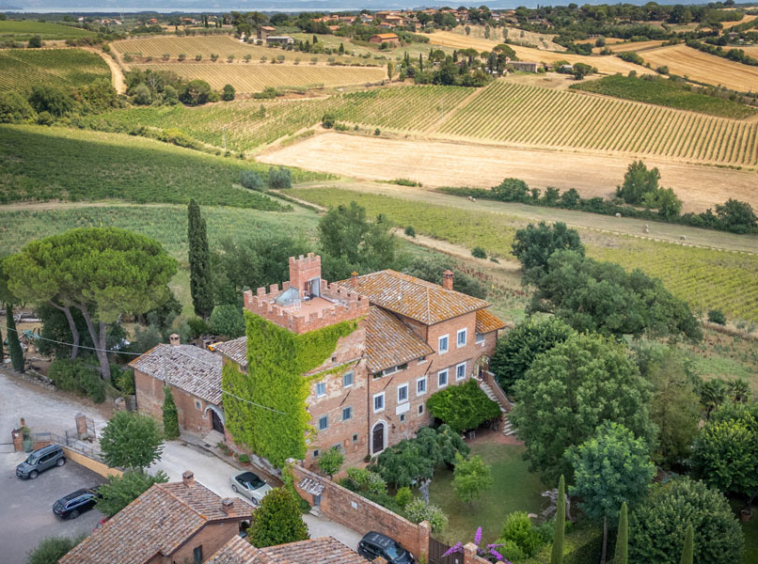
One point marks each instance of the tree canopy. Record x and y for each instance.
(638, 182)
(277, 521)
(120, 491)
(532, 246)
(131, 440)
(199, 261)
(569, 391)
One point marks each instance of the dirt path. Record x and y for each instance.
(117, 75)
(441, 163)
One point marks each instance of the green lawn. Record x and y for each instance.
(514, 489)
(750, 530)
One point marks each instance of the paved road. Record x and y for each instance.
(26, 506)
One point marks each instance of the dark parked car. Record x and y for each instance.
(375, 544)
(74, 504)
(41, 460)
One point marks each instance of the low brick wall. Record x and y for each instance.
(97, 467)
(361, 515)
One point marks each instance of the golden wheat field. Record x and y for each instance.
(256, 77)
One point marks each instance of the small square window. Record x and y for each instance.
(461, 339)
(316, 453)
(347, 379)
(198, 405)
(320, 389)
(443, 345)
(379, 402)
(323, 423)
(402, 418)
(355, 438)
(402, 393)
(347, 413)
(421, 386)
(442, 378)
(460, 371)
(421, 409)
(479, 338)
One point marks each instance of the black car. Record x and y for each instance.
(74, 504)
(374, 545)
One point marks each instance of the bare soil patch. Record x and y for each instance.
(459, 164)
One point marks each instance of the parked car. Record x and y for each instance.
(374, 545)
(250, 486)
(76, 503)
(41, 460)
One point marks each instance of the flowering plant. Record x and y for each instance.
(487, 552)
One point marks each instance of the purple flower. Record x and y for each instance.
(500, 557)
(457, 547)
(478, 536)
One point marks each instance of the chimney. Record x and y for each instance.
(447, 280)
(188, 479)
(175, 340)
(354, 279)
(227, 505)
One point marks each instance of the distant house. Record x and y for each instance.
(177, 522)
(280, 40)
(523, 66)
(385, 38)
(264, 31)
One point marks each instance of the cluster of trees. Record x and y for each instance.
(146, 87)
(639, 196)
(47, 104)
(615, 412)
(463, 68)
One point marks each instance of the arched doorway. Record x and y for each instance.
(378, 437)
(217, 418)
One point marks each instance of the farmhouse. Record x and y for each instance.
(177, 522)
(523, 66)
(280, 40)
(265, 31)
(385, 38)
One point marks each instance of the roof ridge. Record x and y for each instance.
(164, 489)
(428, 306)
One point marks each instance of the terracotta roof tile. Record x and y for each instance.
(389, 342)
(187, 367)
(486, 322)
(324, 550)
(239, 551)
(414, 298)
(157, 522)
(235, 350)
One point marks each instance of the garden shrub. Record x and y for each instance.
(479, 253)
(518, 529)
(418, 510)
(52, 549)
(463, 407)
(75, 376)
(279, 178)
(717, 316)
(403, 497)
(410, 231)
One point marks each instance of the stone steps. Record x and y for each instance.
(508, 429)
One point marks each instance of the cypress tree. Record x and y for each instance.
(689, 549)
(199, 259)
(622, 538)
(14, 345)
(560, 524)
(1, 344)
(170, 416)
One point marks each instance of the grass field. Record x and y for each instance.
(703, 67)
(23, 30)
(256, 77)
(533, 116)
(665, 92)
(540, 40)
(20, 69)
(707, 279)
(40, 164)
(633, 46)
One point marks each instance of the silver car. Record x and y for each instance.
(249, 485)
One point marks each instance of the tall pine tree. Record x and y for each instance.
(14, 345)
(622, 538)
(170, 416)
(560, 524)
(689, 549)
(200, 264)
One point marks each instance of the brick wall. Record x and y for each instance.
(211, 537)
(149, 392)
(361, 515)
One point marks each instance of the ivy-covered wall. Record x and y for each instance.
(277, 360)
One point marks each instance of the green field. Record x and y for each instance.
(707, 279)
(665, 92)
(20, 69)
(24, 29)
(42, 164)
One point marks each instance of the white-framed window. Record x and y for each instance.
(443, 344)
(347, 413)
(320, 389)
(460, 371)
(421, 360)
(323, 423)
(347, 379)
(378, 402)
(462, 337)
(402, 393)
(442, 378)
(421, 386)
(479, 338)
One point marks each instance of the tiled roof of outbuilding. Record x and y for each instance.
(157, 522)
(189, 368)
(324, 550)
(389, 342)
(236, 350)
(412, 297)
